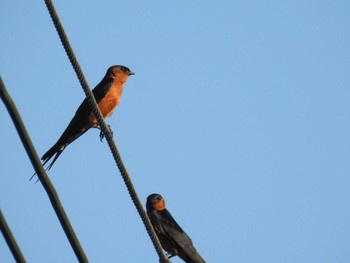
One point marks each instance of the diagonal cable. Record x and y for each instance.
(44, 179)
(10, 240)
(94, 107)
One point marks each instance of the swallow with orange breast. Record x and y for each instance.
(107, 94)
(171, 236)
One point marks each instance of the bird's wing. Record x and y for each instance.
(174, 232)
(99, 92)
(102, 89)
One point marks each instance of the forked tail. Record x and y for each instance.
(54, 150)
(74, 130)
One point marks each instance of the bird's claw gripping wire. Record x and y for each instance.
(169, 256)
(102, 135)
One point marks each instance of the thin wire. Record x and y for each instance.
(44, 179)
(10, 240)
(94, 107)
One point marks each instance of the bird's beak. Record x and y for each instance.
(131, 73)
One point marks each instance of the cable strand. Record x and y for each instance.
(39, 169)
(10, 240)
(94, 107)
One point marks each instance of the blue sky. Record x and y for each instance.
(238, 115)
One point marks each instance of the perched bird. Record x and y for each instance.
(173, 239)
(107, 94)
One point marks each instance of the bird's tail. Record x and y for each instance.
(71, 133)
(56, 150)
(195, 257)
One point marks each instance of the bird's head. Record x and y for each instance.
(119, 72)
(155, 202)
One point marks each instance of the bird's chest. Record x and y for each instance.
(108, 103)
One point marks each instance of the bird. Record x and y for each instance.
(171, 236)
(107, 95)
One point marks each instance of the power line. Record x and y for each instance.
(10, 240)
(44, 179)
(94, 107)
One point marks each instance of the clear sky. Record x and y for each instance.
(239, 115)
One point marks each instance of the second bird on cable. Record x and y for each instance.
(107, 95)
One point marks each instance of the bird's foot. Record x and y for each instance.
(102, 135)
(168, 255)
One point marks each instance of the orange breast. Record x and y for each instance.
(108, 103)
(159, 206)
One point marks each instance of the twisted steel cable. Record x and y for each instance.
(93, 105)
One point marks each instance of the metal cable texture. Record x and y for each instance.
(44, 179)
(93, 105)
(10, 240)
